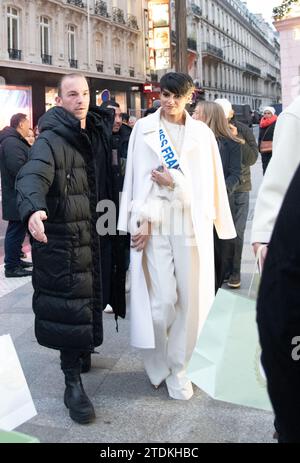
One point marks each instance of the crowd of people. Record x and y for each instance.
(165, 199)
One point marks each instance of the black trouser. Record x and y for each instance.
(70, 359)
(14, 237)
(223, 249)
(265, 159)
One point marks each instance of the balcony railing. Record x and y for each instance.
(212, 51)
(118, 15)
(192, 44)
(99, 66)
(252, 69)
(73, 63)
(196, 10)
(101, 8)
(76, 3)
(132, 22)
(15, 54)
(117, 68)
(46, 59)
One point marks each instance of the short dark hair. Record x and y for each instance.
(66, 76)
(16, 119)
(107, 103)
(125, 117)
(177, 82)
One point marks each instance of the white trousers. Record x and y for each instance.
(171, 264)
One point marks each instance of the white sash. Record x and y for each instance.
(168, 152)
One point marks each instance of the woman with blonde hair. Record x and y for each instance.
(213, 115)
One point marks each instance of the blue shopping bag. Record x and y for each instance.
(226, 361)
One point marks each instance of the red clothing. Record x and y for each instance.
(267, 121)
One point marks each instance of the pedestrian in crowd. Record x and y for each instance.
(125, 118)
(150, 111)
(213, 115)
(58, 191)
(278, 316)
(30, 137)
(132, 120)
(266, 134)
(116, 247)
(272, 192)
(14, 150)
(239, 200)
(173, 175)
(282, 167)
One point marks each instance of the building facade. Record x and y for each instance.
(287, 22)
(41, 40)
(240, 53)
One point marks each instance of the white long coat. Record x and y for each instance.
(201, 165)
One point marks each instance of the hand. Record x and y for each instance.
(36, 226)
(140, 239)
(163, 178)
(263, 254)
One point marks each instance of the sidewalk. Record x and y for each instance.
(127, 407)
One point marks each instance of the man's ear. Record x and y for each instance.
(58, 101)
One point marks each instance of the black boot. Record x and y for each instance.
(85, 360)
(80, 407)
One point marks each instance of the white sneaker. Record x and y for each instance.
(108, 309)
(128, 281)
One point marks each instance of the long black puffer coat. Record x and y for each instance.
(60, 178)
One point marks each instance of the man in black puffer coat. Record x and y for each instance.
(58, 191)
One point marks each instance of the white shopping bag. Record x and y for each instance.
(16, 405)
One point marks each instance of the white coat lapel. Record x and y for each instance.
(151, 132)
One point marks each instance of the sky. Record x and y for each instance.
(265, 7)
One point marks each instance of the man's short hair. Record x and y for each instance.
(177, 82)
(66, 76)
(16, 119)
(108, 103)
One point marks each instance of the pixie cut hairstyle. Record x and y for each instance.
(177, 82)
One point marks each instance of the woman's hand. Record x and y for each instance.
(163, 178)
(140, 239)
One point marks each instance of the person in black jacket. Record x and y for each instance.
(239, 200)
(278, 316)
(230, 150)
(115, 249)
(58, 191)
(266, 134)
(14, 154)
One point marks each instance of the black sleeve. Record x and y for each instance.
(16, 155)
(232, 179)
(34, 180)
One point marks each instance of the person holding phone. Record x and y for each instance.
(174, 193)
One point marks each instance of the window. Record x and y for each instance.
(13, 32)
(71, 44)
(45, 40)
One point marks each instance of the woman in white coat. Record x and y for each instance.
(174, 192)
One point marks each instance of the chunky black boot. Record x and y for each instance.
(85, 360)
(80, 407)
